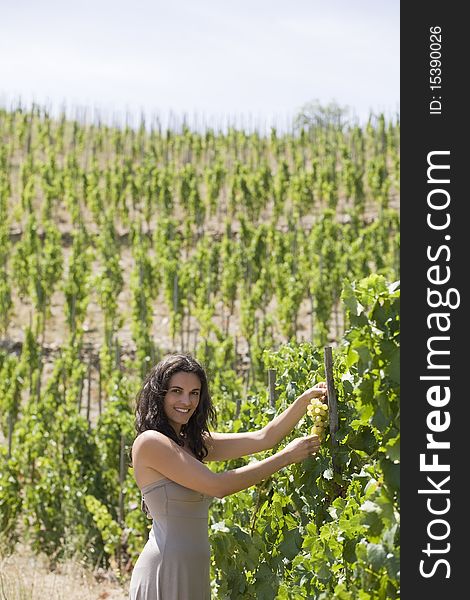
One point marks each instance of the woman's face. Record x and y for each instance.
(182, 398)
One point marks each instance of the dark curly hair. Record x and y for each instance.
(149, 412)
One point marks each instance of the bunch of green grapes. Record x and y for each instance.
(318, 411)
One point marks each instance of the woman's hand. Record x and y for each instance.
(319, 390)
(277, 429)
(301, 448)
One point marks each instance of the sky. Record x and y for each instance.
(248, 61)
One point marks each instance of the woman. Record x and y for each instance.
(173, 442)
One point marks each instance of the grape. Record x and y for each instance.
(318, 411)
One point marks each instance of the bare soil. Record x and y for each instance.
(26, 576)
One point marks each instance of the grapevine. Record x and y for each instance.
(251, 250)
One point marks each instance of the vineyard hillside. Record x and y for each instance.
(119, 245)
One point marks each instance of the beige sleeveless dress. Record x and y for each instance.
(175, 562)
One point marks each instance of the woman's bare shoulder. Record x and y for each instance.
(149, 440)
(150, 436)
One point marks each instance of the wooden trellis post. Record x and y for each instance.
(88, 396)
(100, 385)
(122, 477)
(332, 404)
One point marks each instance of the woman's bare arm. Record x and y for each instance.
(277, 429)
(226, 446)
(154, 450)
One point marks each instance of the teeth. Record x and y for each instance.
(183, 410)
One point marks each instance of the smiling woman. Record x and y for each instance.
(172, 415)
(175, 401)
(182, 399)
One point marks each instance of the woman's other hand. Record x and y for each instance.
(319, 390)
(301, 448)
